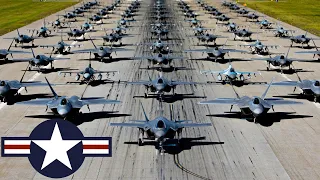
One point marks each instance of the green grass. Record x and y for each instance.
(304, 14)
(18, 13)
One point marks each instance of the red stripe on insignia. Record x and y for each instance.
(93, 146)
(16, 146)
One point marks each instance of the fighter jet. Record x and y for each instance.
(242, 33)
(242, 11)
(231, 27)
(265, 24)
(88, 74)
(279, 60)
(230, 74)
(39, 61)
(300, 39)
(259, 48)
(5, 52)
(9, 90)
(23, 39)
(207, 38)
(194, 22)
(100, 52)
(159, 46)
(308, 87)
(97, 19)
(214, 13)
(200, 30)
(252, 16)
(124, 22)
(222, 18)
(317, 52)
(119, 30)
(158, 32)
(216, 52)
(281, 32)
(160, 129)
(159, 59)
(69, 15)
(43, 31)
(253, 106)
(234, 7)
(61, 47)
(160, 85)
(67, 107)
(112, 38)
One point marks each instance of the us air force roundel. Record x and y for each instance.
(56, 148)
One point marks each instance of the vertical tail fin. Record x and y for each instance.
(52, 90)
(144, 112)
(265, 93)
(33, 53)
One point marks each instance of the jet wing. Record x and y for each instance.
(286, 83)
(221, 101)
(142, 57)
(190, 125)
(146, 83)
(70, 72)
(96, 72)
(243, 72)
(136, 125)
(90, 101)
(212, 72)
(22, 52)
(308, 52)
(174, 83)
(121, 49)
(18, 85)
(37, 102)
(282, 102)
(22, 60)
(233, 50)
(84, 51)
(198, 50)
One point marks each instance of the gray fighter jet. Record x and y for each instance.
(265, 24)
(300, 39)
(201, 30)
(242, 33)
(5, 52)
(252, 16)
(279, 60)
(222, 18)
(10, 89)
(101, 52)
(259, 48)
(88, 74)
(207, 38)
(23, 39)
(317, 52)
(67, 107)
(160, 129)
(216, 52)
(159, 46)
(43, 31)
(160, 85)
(39, 61)
(281, 32)
(308, 87)
(159, 59)
(254, 106)
(230, 74)
(61, 47)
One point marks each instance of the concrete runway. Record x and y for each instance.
(231, 149)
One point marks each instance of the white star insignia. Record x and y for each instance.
(56, 148)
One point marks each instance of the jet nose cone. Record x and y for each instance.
(86, 75)
(257, 111)
(63, 112)
(160, 134)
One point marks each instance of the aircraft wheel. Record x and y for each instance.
(145, 95)
(15, 45)
(32, 45)
(315, 99)
(29, 68)
(140, 143)
(121, 44)
(268, 69)
(110, 57)
(6, 59)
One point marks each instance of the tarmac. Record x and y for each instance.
(285, 146)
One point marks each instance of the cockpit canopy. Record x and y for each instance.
(282, 57)
(231, 69)
(38, 57)
(160, 81)
(160, 124)
(159, 55)
(2, 83)
(101, 48)
(256, 101)
(63, 101)
(317, 83)
(303, 36)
